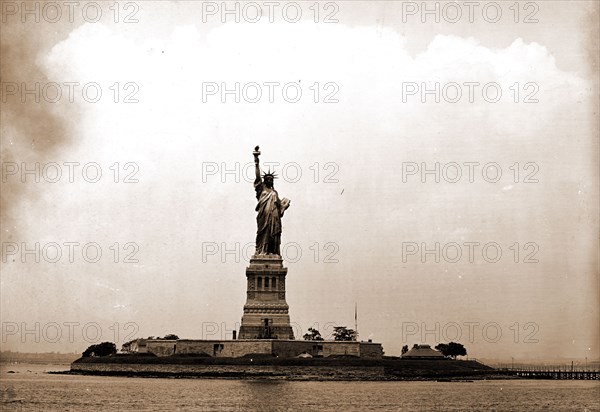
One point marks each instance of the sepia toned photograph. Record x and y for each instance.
(377, 205)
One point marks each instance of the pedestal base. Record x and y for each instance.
(266, 310)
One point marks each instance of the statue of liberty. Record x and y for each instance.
(270, 211)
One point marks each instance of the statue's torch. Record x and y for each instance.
(256, 153)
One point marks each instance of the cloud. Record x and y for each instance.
(371, 68)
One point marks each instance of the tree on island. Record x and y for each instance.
(452, 349)
(312, 334)
(404, 349)
(342, 333)
(101, 349)
(169, 336)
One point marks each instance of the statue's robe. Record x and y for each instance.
(268, 219)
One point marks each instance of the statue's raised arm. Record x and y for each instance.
(257, 165)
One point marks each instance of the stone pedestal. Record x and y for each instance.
(266, 313)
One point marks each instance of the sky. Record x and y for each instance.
(472, 218)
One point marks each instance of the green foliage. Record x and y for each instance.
(342, 333)
(452, 349)
(101, 349)
(312, 334)
(169, 336)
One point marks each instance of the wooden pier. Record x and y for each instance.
(551, 373)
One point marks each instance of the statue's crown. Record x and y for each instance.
(271, 174)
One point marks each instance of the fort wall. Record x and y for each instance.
(246, 347)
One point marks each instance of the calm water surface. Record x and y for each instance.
(31, 388)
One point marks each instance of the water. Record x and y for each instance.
(33, 389)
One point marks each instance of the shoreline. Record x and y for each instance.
(273, 368)
(284, 377)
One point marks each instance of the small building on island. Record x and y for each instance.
(423, 352)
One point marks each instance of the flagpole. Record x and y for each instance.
(356, 319)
